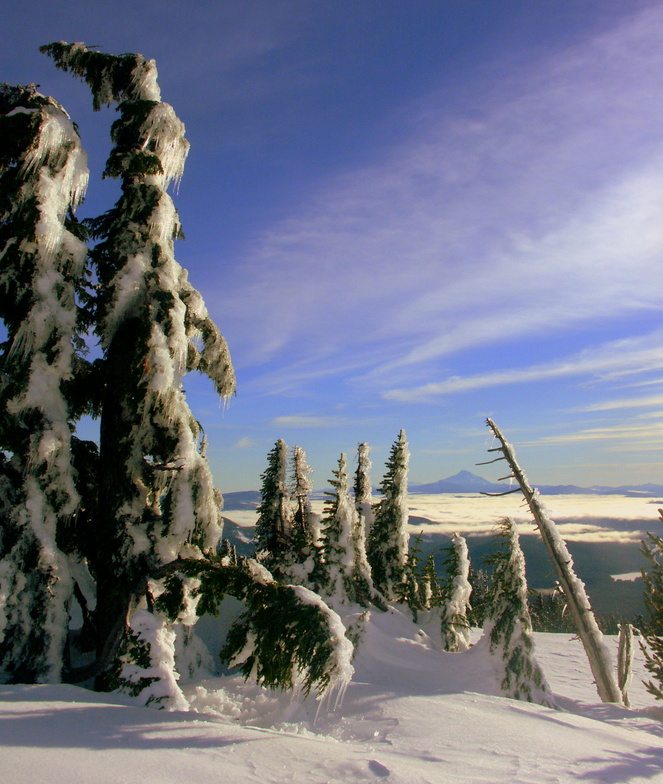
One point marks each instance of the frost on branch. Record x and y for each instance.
(43, 176)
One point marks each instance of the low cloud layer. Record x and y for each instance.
(580, 518)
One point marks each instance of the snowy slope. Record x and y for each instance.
(412, 714)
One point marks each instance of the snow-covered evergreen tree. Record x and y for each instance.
(228, 553)
(508, 627)
(346, 571)
(43, 176)
(388, 537)
(455, 599)
(304, 556)
(430, 593)
(653, 632)
(157, 501)
(275, 517)
(288, 637)
(362, 487)
(302, 533)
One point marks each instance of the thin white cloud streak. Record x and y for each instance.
(305, 421)
(614, 359)
(635, 402)
(540, 210)
(637, 436)
(288, 378)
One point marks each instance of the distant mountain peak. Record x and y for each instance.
(466, 476)
(462, 482)
(467, 482)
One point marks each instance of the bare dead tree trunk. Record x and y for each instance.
(574, 590)
(625, 660)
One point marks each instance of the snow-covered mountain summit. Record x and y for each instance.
(462, 482)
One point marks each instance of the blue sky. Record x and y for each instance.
(408, 215)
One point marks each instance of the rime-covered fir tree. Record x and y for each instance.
(43, 175)
(430, 593)
(304, 546)
(362, 487)
(275, 518)
(653, 632)
(508, 628)
(455, 597)
(346, 571)
(388, 537)
(157, 501)
(302, 529)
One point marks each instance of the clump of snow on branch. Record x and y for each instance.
(148, 671)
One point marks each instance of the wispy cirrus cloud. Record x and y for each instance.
(637, 436)
(537, 207)
(635, 402)
(612, 360)
(305, 421)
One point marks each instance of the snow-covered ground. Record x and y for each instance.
(411, 714)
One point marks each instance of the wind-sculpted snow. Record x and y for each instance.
(412, 715)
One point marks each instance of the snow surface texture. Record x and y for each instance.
(412, 714)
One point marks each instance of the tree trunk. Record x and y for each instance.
(116, 568)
